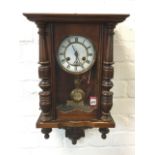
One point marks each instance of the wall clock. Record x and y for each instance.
(76, 58)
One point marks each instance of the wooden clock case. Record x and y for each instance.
(56, 84)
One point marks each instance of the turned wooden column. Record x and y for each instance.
(44, 74)
(107, 84)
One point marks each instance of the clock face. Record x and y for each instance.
(76, 54)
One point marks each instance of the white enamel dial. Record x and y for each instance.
(76, 54)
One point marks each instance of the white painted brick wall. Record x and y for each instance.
(25, 137)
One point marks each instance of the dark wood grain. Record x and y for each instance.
(96, 123)
(76, 18)
(57, 84)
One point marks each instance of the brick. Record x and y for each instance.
(124, 71)
(131, 123)
(124, 52)
(30, 86)
(28, 51)
(124, 33)
(124, 122)
(131, 88)
(27, 124)
(28, 71)
(29, 32)
(119, 89)
(33, 138)
(122, 138)
(36, 140)
(30, 105)
(117, 138)
(123, 106)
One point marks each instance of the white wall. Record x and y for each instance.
(19, 82)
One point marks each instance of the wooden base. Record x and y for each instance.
(75, 129)
(83, 123)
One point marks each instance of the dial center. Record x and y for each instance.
(75, 52)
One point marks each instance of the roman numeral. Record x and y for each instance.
(69, 41)
(62, 61)
(75, 68)
(83, 41)
(87, 61)
(68, 66)
(61, 53)
(76, 39)
(82, 66)
(88, 47)
(90, 54)
(63, 46)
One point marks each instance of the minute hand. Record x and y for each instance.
(75, 51)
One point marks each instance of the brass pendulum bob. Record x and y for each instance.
(77, 94)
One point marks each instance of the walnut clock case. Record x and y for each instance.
(76, 58)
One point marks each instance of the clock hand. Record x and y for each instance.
(76, 52)
(73, 48)
(77, 61)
